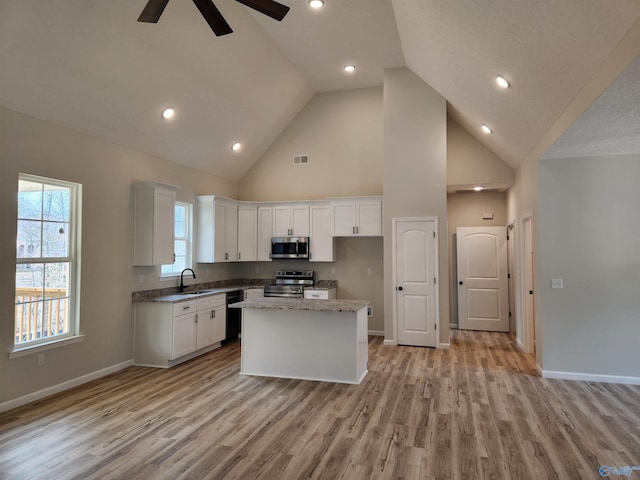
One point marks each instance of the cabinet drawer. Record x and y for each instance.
(320, 294)
(182, 308)
(211, 301)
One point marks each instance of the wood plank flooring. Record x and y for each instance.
(478, 410)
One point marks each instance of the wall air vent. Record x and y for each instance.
(301, 159)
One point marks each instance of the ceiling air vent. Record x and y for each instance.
(301, 159)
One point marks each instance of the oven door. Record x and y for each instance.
(289, 247)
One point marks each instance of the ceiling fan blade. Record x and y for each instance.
(152, 11)
(213, 17)
(268, 7)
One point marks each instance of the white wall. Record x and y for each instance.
(589, 237)
(469, 162)
(106, 172)
(342, 134)
(415, 169)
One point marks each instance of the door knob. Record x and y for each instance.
(400, 288)
(460, 282)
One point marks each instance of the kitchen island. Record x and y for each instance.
(305, 339)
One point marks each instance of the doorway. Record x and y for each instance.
(415, 273)
(483, 289)
(527, 340)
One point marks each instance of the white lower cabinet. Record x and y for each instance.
(169, 333)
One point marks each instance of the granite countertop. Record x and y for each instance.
(275, 303)
(190, 295)
(322, 285)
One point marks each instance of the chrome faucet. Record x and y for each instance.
(181, 278)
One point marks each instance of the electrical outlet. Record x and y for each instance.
(369, 271)
(369, 311)
(333, 271)
(557, 283)
(40, 359)
(141, 278)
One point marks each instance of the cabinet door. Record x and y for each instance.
(265, 229)
(369, 217)
(247, 233)
(183, 339)
(163, 227)
(300, 220)
(344, 219)
(203, 329)
(218, 323)
(321, 238)
(231, 234)
(220, 232)
(281, 221)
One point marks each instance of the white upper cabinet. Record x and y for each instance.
(361, 216)
(217, 229)
(247, 233)
(153, 229)
(321, 241)
(265, 232)
(291, 220)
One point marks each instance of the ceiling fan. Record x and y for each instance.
(154, 8)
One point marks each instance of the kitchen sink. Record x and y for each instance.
(199, 292)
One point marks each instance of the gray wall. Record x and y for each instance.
(589, 237)
(415, 169)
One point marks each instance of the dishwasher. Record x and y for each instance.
(234, 315)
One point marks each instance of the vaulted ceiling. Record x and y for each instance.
(89, 65)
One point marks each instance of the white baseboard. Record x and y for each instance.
(519, 344)
(590, 377)
(389, 342)
(376, 333)
(444, 346)
(32, 397)
(453, 325)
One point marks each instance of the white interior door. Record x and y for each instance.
(483, 289)
(415, 277)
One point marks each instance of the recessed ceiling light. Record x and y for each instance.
(349, 68)
(235, 147)
(486, 129)
(478, 188)
(168, 113)
(502, 82)
(316, 3)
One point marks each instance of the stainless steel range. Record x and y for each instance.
(290, 283)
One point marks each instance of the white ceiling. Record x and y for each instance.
(89, 65)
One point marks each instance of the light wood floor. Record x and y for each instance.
(478, 410)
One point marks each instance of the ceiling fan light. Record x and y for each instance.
(478, 188)
(486, 129)
(316, 3)
(236, 146)
(349, 68)
(167, 113)
(502, 82)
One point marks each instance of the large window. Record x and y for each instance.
(182, 246)
(47, 263)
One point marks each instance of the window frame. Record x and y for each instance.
(73, 259)
(188, 242)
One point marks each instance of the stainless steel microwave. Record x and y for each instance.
(290, 247)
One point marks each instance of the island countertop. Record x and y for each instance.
(277, 303)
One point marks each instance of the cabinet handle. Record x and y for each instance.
(353, 230)
(239, 255)
(213, 314)
(186, 308)
(357, 230)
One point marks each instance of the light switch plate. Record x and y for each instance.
(556, 283)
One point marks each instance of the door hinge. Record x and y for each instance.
(435, 280)
(434, 234)
(508, 275)
(435, 325)
(509, 314)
